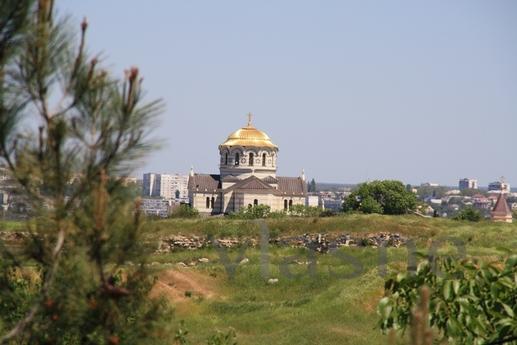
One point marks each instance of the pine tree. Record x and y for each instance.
(312, 186)
(81, 276)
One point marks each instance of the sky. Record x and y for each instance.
(420, 91)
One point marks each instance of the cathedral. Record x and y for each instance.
(247, 177)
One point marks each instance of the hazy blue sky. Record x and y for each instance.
(349, 90)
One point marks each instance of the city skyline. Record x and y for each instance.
(348, 92)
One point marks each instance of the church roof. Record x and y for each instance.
(501, 208)
(249, 136)
(286, 185)
(291, 185)
(204, 182)
(251, 183)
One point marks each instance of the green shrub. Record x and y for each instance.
(471, 302)
(185, 211)
(252, 212)
(385, 197)
(470, 214)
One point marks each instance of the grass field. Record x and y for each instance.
(312, 304)
(319, 298)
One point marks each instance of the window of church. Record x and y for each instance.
(285, 204)
(291, 204)
(252, 159)
(212, 202)
(207, 202)
(263, 159)
(237, 158)
(255, 202)
(226, 158)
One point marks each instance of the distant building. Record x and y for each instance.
(174, 186)
(151, 184)
(481, 202)
(429, 184)
(155, 207)
(453, 192)
(332, 204)
(167, 186)
(502, 211)
(499, 187)
(312, 201)
(468, 183)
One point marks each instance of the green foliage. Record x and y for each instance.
(68, 283)
(305, 211)
(471, 302)
(470, 214)
(185, 211)
(253, 212)
(223, 338)
(311, 186)
(370, 205)
(385, 197)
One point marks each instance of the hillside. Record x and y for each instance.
(315, 301)
(299, 296)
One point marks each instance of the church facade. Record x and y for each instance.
(247, 177)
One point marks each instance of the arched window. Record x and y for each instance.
(285, 204)
(290, 204)
(207, 202)
(263, 159)
(226, 158)
(212, 201)
(255, 202)
(177, 194)
(252, 159)
(237, 158)
(250, 206)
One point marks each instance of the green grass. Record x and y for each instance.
(322, 306)
(12, 225)
(318, 307)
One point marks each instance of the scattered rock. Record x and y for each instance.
(244, 261)
(318, 242)
(203, 260)
(272, 281)
(181, 264)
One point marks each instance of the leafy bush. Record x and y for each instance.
(385, 197)
(185, 211)
(470, 214)
(253, 212)
(305, 211)
(471, 302)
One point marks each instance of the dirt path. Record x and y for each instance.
(177, 284)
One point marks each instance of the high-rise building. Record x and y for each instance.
(499, 187)
(468, 183)
(174, 186)
(167, 186)
(151, 184)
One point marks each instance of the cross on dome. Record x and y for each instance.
(250, 117)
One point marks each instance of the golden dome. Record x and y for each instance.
(249, 136)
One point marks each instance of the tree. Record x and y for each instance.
(311, 187)
(470, 214)
(370, 205)
(72, 274)
(471, 302)
(387, 197)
